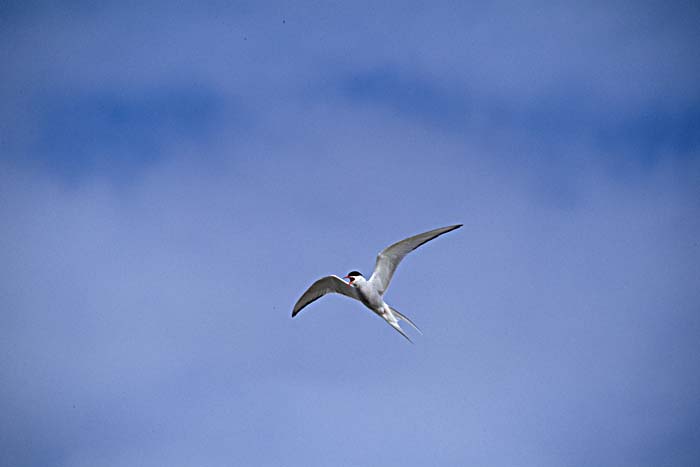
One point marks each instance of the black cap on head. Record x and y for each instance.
(354, 273)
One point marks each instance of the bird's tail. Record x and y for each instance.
(396, 326)
(404, 318)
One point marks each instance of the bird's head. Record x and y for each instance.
(353, 276)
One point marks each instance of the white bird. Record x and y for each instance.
(371, 292)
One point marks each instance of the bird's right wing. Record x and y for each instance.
(390, 257)
(323, 286)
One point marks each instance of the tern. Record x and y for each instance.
(371, 292)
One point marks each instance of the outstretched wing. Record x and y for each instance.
(390, 257)
(323, 286)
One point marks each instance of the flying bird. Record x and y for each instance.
(371, 291)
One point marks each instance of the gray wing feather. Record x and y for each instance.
(323, 286)
(390, 257)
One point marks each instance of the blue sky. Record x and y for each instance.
(172, 177)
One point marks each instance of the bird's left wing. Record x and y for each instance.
(390, 257)
(323, 286)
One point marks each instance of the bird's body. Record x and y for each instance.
(369, 294)
(371, 298)
(371, 291)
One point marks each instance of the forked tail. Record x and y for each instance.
(404, 318)
(396, 326)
